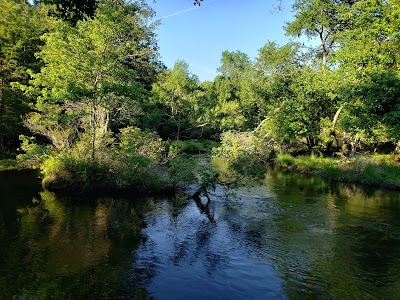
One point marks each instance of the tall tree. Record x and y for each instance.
(237, 107)
(21, 26)
(178, 91)
(369, 57)
(88, 84)
(73, 11)
(295, 102)
(320, 19)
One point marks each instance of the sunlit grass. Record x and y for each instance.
(13, 164)
(379, 170)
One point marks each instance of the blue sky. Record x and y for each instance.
(198, 35)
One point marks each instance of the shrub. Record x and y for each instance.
(182, 170)
(192, 147)
(134, 163)
(33, 153)
(380, 170)
(135, 142)
(249, 146)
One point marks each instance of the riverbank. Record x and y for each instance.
(118, 171)
(14, 165)
(374, 170)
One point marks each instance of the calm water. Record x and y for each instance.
(288, 236)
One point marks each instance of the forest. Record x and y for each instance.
(85, 97)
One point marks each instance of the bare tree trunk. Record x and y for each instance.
(333, 132)
(326, 45)
(324, 57)
(336, 117)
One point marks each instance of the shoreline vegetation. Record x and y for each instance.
(86, 99)
(129, 166)
(378, 170)
(373, 170)
(348, 164)
(12, 164)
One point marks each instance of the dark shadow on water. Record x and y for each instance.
(204, 208)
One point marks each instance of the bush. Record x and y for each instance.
(133, 142)
(192, 147)
(378, 170)
(134, 163)
(182, 170)
(135, 160)
(248, 146)
(34, 154)
(65, 171)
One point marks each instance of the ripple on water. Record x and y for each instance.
(286, 239)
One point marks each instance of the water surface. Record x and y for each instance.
(286, 236)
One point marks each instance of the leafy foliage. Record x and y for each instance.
(178, 94)
(21, 26)
(88, 84)
(84, 79)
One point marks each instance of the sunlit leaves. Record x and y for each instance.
(179, 92)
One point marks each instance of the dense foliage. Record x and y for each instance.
(86, 80)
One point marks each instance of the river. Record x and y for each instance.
(280, 236)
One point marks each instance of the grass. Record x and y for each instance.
(13, 164)
(194, 146)
(375, 170)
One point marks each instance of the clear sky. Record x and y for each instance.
(198, 35)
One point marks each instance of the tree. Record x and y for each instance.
(321, 19)
(276, 68)
(73, 11)
(87, 84)
(295, 101)
(237, 105)
(369, 60)
(21, 26)
(373, 108)
(178, 91)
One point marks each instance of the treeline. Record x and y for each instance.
(82, 82)
(342, 96)
(80, 79)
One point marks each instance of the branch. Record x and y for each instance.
(259, 125)
(202, 125)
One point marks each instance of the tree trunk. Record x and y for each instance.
(93, 133)
(324, 57)
(333, 133)
(179, 127)
(1, 111)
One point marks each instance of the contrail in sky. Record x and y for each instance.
(179, 12)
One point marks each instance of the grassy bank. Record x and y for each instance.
(13, 164)
(140, 165)
(193, 146)
(375, 170)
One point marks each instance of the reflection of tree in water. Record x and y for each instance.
(178, 236)
(325, 238)
(78, 251)
(204, 208)
(17, 189)
(337, 240)
(240, 173)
